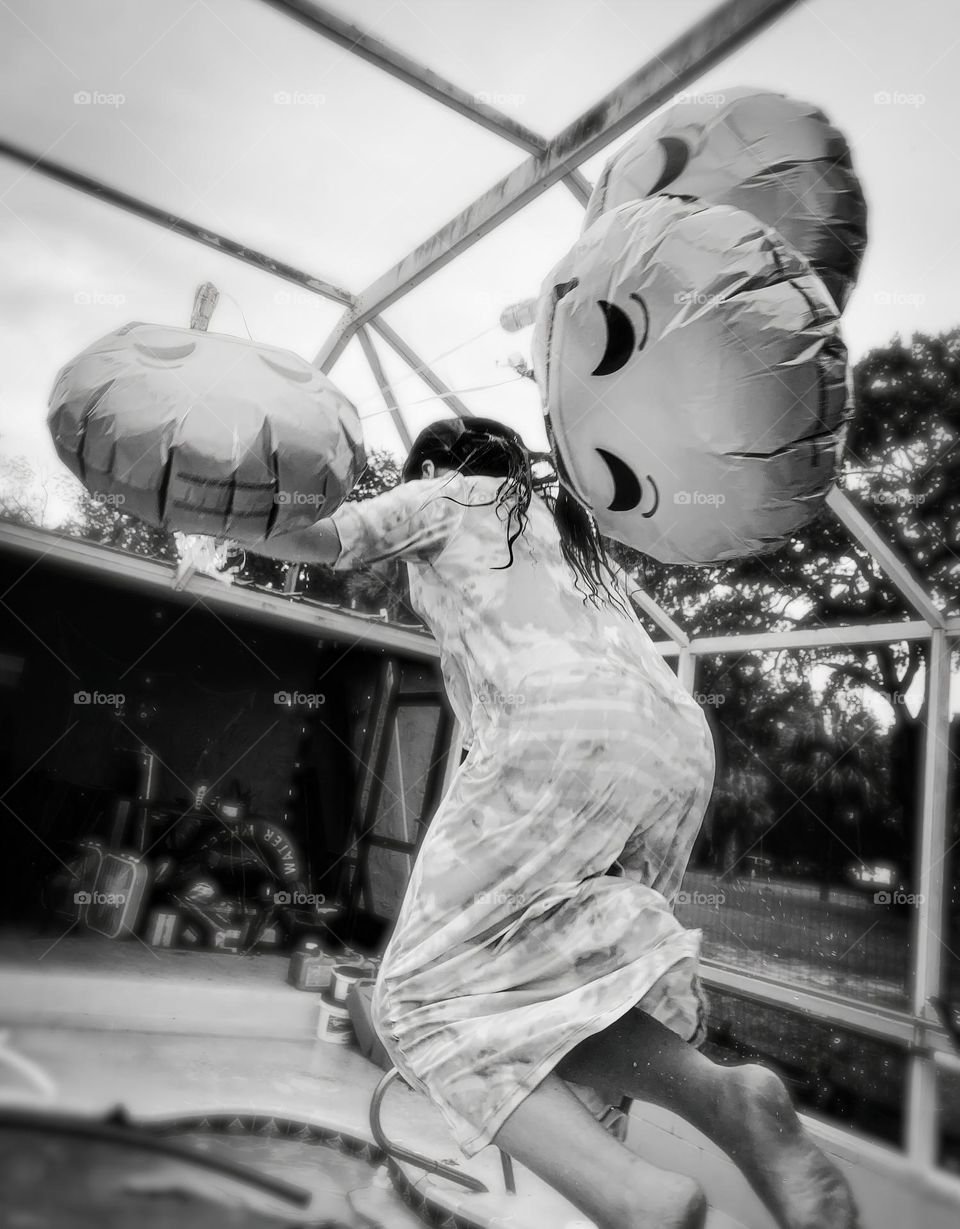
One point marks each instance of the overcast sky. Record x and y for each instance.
(233, 115)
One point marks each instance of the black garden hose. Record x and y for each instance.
(131, 1135)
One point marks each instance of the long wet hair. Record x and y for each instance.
(484, 446)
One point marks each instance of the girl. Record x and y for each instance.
(536, 947)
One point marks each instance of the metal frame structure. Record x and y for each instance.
(706, 43)
(930, 1046)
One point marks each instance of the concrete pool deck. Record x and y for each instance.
(165, 1033)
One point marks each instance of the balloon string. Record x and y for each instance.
(225, 295)
(414, 371)
(428, 363)
(477, 388)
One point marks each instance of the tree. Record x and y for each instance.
(31, 495)
(28, 496)
(97, 520)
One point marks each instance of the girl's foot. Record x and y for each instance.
(798, 1183)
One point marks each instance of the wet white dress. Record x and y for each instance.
(514, 942)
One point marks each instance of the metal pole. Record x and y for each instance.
(928, 918)
(170, 221)
(908, 586)
(373, 358)
(687, 670)
(390, 60)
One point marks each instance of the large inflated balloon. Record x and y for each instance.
(774, 157)
(695, 380)
(205, 433)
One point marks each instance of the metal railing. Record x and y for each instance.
(924, 1031)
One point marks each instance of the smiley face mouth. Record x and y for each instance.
(627, 488)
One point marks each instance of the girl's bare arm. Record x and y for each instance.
(318, 544)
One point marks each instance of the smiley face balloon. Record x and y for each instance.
(205, 433)
(694, 378)
(774, 157)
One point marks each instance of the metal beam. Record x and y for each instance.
(906, 584)
(381, 55)
(419, 367)
(812, 637)
(660, 617)
(310, 619)
(706, 43)
(870, 1020)
(929, 911)
(687, 670)
(650, 607)
(373, 358)
(170, 221)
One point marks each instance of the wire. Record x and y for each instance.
(428, 363)
(477, 388)
(132, 1136)
(225, 295)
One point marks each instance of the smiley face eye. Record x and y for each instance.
(627, 487)
(165, 352)
(621, 336)
(676, 155)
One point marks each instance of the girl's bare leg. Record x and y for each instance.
(745, 1111)
(556, 1137)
